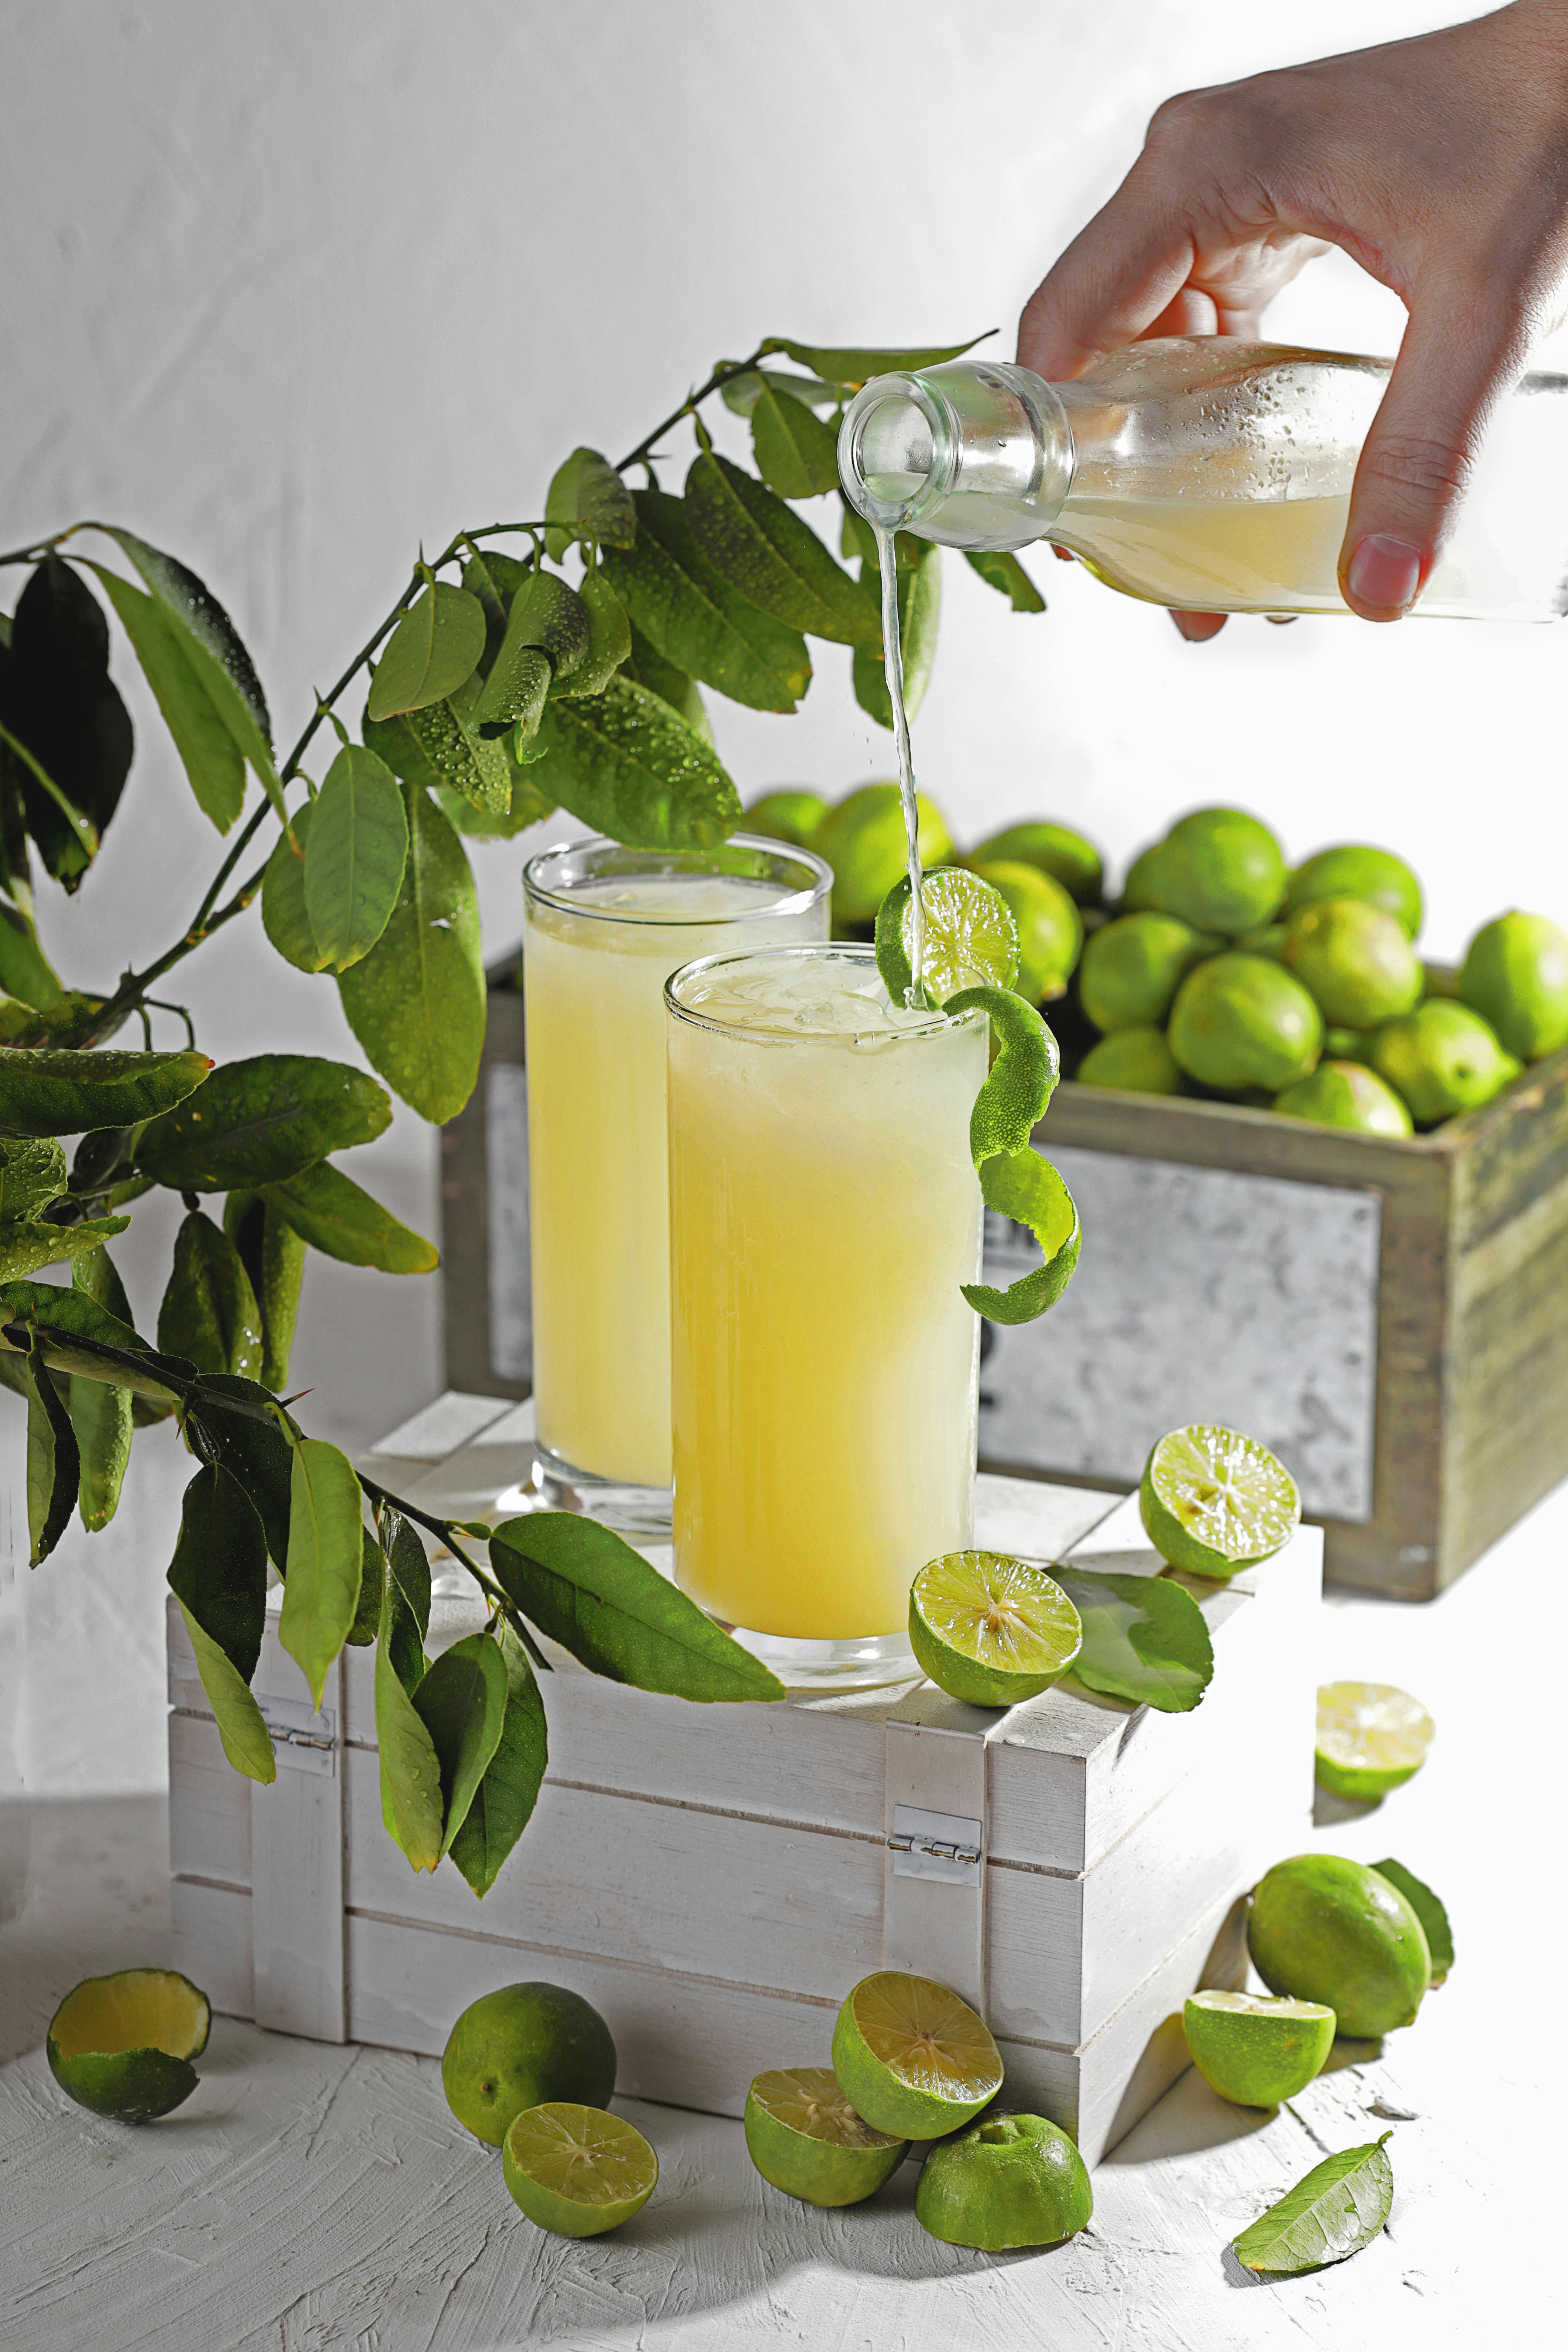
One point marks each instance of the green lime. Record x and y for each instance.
(991, 1629)
(1050, 929)
(1132, 969)
(1326, 1930)
(1268, 939)
(913, 2059)
(1139, 1061)
(1012, 2181)
(863, 840)
(1344, 1094)
(520, 2047)
(791, 814)
(1341, 1044)
(1240, 1021)
(1213, 1501)
(1142, 892)
(576, 2170)
(1371, 1737)
(1357, 962)
(1221, 870)
(1253, 2050)
(1441, 1059)
(806, 2137)
(1052, 849)
(1355, 870)
(971, 938)
(122, 2045)
(1516, 974)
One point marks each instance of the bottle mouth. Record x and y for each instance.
(894, 451)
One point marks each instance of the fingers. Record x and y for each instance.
(1112, 282)
(1199, 628)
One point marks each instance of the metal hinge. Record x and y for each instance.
(302, 1740)
(934, 1845)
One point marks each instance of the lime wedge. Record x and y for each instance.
(991, 1629)
(971, 941)
(1213, 1501)
(913, 2059)
(1371, 1737)
(122, 2045)
(1256, 2050)
(806, 2137)
(577, 2170)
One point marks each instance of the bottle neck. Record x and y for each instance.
(972, 456)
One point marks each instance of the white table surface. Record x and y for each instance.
(310, 2197)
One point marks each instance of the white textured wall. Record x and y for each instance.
(292, 285)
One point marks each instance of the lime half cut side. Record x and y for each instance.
(913, 2059)
(1371, 1737)
(991, 1629)
(806, 2137)
(122, 2045)
(1256, 2050)
(1213, 1501)
(971, 936)
(577, 2170)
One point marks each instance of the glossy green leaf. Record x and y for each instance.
(416, 1002)
(233, 1424)
(461, 1702)
(44, 1091)
(321, 1591)
(645, 666)
(411, 1803)
(587, 500)
(627, 766)
(209, 1313)
(100, 1417)
(355, 855)
(408, 1568)
(583, 1586)
(1429, 1908)
(796, 453)
(495, 579)
(246, 1742)
(78, 1335)
(211, 758)
(776, 562)
(371, 1593)
(218, 1573)
(273, 1256)
(26, 1249)
(58, 697)
(507, 1795)
(261, 1120)
(448, 756)
(697, 620)
(54, 1465)
(95, 1276)
(1008, 576)
(25, 972)
(284, 916)
(609, 640)
(32, 1174)
(436, 646)
(548, 620)
(529, 805)
(919, 613)
(1144, 1638)
(329, 1210)
(742, 392)
(20, 767)
(852, 368)
(1333, 2211)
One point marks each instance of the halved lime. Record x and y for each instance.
(991, 1629)
(1213, 1501)
(577, 2170)
(912, 2058)
(1371, 1737)
(1253, 2050)
(1013, 2181)
(122, 2044)
(971, 936)
(806, 2137)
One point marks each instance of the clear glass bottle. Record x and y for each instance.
(1202, 473)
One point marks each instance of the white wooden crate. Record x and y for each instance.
(714, 1878)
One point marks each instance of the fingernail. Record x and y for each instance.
(1384, 573)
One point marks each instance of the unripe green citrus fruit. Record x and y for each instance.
(1441, 1059)
(1241, 1021)
(863, 841)
(522, 2047)
(1327, 1929)
(1221, 870)
(1134, 967)
(1054, 849)
(1516, 976)
(1012, 2181)
(1139, 1061)
(1050, 929)
(791, 814)
(1344, 1094)
(1356, 870)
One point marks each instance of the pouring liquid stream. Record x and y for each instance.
(893, 670)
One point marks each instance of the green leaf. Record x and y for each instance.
(97, 1277)
(507, 1795)
(920, 612)
(1008, 576)
(461, 1702)
(246, 1742)
(527, 806)
(587, 500)
(44, 1091)
(32, 1174)
(408, 1568)
(320, 1592)
(495, 579)
(355, 856)
(436, 646)
(56, 696)
(273, 1255)
(100, 1417)
(26, 973)
(645, 666)
(853, 368)
(411, 1803)
(776, 562)
(209, 1312)
(796, 453)
(79, 839)
(742, 392)
(54, 1465)
(211, 758)
(284, 916)
(328, 1210)
(233, 1424)
(218, 1573)
(261, 1120)
(584, 1586)
(24, 1249)
(78, 1335)
(416, 1002)
(1144, 1638)
(446, 755)
(609, 639)
(1333, 2211)
(1429, 1908)
(628, 767)
(697, 620)
(549, 620)
(372, 1589)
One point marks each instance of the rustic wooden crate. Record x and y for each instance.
(714, 1879)
(1385, 1315)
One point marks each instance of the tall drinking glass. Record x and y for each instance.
(824, 1210)
(604, 927)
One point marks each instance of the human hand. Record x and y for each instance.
(1439, 163)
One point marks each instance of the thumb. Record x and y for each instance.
(1451, 373)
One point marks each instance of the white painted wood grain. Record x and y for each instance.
(209, 1804)
(297, 1872)
(211, 1932)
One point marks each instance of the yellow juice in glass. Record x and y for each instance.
(604, 927)
(824, 1212)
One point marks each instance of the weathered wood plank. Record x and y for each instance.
(209, 1805)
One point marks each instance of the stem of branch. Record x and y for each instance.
(720, 377)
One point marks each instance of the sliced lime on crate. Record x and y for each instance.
(122, 2045)
(1213, 1501)
(577, 2170)
(913, 2059)
(1256, 2050)
(806, 2137)
(991, 1629)
(1371, 1737)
